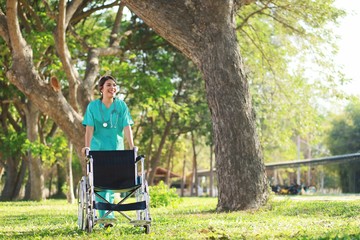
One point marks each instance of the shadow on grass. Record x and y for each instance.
(54, 227)
(196, 212)
(63, 233)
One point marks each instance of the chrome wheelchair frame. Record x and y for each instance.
(116, 171)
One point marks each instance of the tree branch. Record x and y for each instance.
(4, 33)
(81, 15)
(246, 19)
(24, 20)
(70, 10)
(49, 11)
(283, 23)
(22, 51)
(78, 38)
(38, 24)
(174, 22)
(114, 37)
(64, 54)
(13, 122)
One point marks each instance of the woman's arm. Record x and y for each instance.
(89, 131)
(129, 136)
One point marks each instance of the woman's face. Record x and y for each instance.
(109, 89)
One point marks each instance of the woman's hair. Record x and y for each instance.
(103, 79)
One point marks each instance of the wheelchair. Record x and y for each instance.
(115, 171)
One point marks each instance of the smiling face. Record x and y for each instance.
(109, 89)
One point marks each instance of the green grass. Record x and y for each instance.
(193, 218)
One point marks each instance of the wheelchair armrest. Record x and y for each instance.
(139, 158)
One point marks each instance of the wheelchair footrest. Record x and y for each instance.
(120, 207)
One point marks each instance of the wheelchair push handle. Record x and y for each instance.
(139, 158)
(87, 151)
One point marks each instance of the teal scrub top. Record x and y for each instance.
(108, 124)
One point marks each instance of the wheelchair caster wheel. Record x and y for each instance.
(147, 229)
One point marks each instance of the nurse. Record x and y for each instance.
(106, 121)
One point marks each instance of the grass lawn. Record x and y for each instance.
(302, 217)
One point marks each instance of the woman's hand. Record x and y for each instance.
(84, 152)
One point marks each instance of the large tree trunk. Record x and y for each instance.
(10, 182)
(239, 163)
(35, 165)
(205, 32)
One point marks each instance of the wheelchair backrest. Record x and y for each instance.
(113, 169)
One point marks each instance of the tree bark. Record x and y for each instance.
(169, 158)
(205, 32)
(156, 158)
(195, 181)
(65, 14)
(11, 172)
(20, 179)
(148, 154)
(61, 180)
(14, 173)
(35, 165)
(70, 193)
(211, 193)
(183, 178)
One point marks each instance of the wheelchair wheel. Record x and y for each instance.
(147, 229)
(82, 204)
(89, 214)
(90, 224)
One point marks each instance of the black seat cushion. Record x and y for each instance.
(114, 170)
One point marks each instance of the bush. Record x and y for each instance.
(161, 196)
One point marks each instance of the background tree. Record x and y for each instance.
(280, 52)
(344, 138)
(12, 136)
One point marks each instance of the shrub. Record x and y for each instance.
(161, 196)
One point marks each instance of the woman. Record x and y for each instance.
(107, 120)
